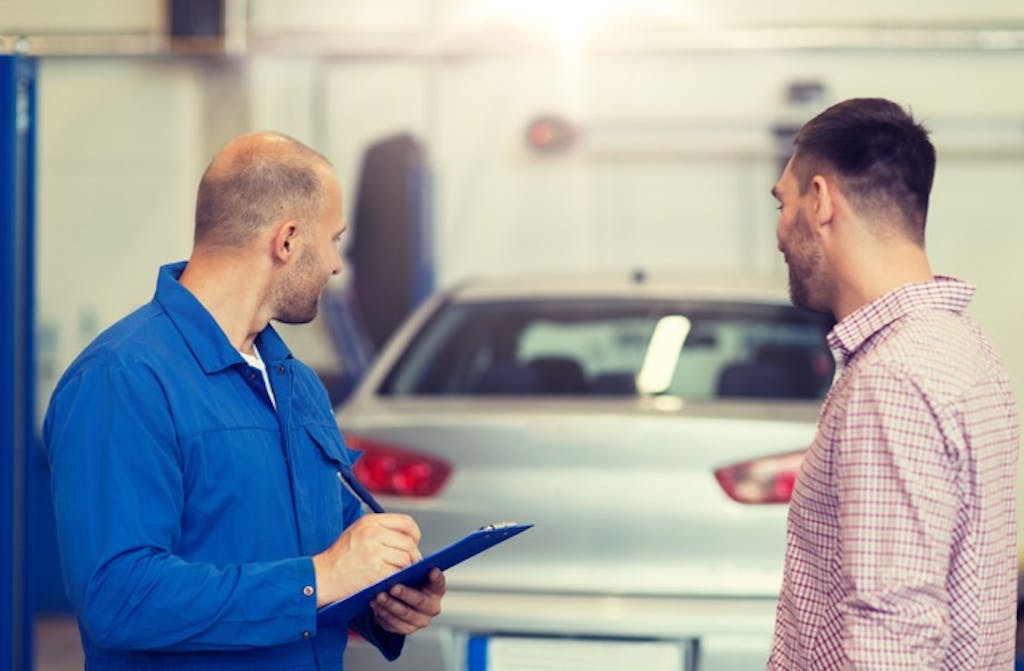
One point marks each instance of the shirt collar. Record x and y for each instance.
(200, 330)
(941, 293)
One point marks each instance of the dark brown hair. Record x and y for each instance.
(882, 159)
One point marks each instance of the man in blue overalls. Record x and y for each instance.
(200, 518)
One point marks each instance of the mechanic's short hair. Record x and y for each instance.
(250, 186)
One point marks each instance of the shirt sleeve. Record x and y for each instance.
(896, 515)
(118, 497)
(390, 645)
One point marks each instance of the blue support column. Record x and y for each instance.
(17, 355)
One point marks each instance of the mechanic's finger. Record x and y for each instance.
(394, 559)
(404, 544)
(403, 611)
(424, 602)
(399, 522)
(389, 622)
(437, 582)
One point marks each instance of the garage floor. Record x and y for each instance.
(57, 644)
(59, 649)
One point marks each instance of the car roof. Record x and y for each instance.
(639, 285)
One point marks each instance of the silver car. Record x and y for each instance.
(651, 430)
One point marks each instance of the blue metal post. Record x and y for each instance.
(17, 355)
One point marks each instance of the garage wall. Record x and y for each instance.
(673, 170)
(119, 143)
(501, 208)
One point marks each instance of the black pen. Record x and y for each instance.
(346, 476)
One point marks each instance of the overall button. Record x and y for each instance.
(308, 590)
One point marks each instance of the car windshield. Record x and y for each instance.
(600, 348)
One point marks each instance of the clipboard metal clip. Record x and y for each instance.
(494, 526)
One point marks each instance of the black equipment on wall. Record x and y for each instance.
(196, 25)
(391, 253)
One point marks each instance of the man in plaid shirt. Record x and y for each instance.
(901, 541)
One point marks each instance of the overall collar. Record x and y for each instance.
(209, 344)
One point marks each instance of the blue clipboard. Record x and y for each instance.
(416, 575)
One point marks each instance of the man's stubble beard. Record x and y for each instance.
(298, 297)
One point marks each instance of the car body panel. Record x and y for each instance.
(636, 481)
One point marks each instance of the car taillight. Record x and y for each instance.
(396, 471)
(764, 480)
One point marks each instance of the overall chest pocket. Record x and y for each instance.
(330, 506)
(331, 446)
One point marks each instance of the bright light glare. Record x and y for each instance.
(662, 354)
(565, 18)
(569, 19)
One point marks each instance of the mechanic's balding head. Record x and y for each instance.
(256, 180)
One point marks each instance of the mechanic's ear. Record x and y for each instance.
(284, 240)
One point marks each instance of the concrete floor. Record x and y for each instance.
(57, 647)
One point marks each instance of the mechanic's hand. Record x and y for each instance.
(403, 610)
(373, 548)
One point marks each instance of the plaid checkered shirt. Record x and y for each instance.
(901, 539)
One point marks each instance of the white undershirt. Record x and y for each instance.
(256, 362)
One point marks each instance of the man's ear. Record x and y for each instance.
(824, 200)
(285, 240)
